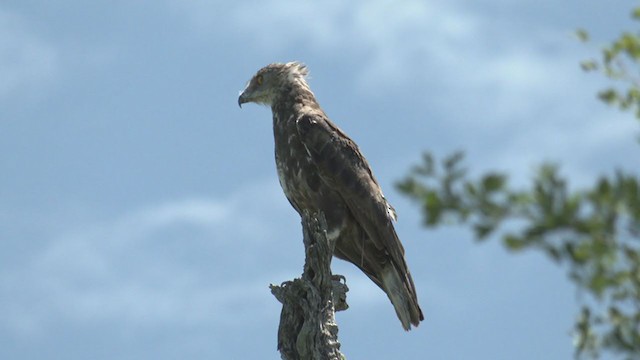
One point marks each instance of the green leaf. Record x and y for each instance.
(513, 242)
(579, 253)
(482, 230)
(470, 188)
(597, 284)
(427, 166)
(589, 65)
(451, 163)
(433, 208)
(493, 182)
(582, 35)
(610, 96)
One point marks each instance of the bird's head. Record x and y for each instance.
(267, 85)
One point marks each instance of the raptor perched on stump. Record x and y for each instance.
(321, 169)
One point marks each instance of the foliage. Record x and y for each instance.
(595, 231)
(618, 60)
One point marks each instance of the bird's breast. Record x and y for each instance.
(298, 175)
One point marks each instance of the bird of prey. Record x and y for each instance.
(321, 169)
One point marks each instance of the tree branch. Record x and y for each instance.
(307, 322)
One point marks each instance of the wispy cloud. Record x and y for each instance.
(26, 60)
(392, 39)
(512, 90)
(172, 263)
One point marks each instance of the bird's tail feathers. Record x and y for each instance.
(401, 292)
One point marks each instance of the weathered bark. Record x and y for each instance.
(308, 330)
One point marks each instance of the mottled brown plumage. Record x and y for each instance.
(321, 168)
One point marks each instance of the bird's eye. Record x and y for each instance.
(259, 79)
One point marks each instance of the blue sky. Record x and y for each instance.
(140, 213)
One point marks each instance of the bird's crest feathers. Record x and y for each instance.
(296, 69)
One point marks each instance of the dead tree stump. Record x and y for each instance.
(308, 330)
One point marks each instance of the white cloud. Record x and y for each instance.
(177, 262)
(392, 39)
(513, 89)
(399, 43)
(26, 61)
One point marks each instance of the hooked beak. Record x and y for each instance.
(242, 99)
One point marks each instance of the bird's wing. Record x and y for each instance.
(342, 166)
